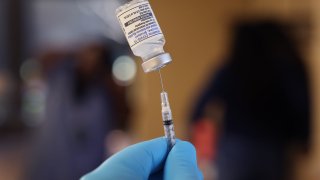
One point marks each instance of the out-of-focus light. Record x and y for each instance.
(34, 93)
(29, 68)
(33, 103)
(124, 70)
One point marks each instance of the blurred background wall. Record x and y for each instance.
(315, 65)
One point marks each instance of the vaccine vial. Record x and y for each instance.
(143, 34)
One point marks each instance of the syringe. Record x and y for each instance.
(167, 117)
(133, 16)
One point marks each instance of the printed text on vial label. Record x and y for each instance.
(139, 23)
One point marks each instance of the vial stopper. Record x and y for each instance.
(156, 62)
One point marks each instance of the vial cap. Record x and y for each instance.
(156, 62)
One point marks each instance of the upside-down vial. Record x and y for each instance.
(143, 34)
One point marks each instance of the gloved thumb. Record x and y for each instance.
(181, 163)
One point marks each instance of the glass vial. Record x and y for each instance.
(143, 34)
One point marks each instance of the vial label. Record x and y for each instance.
(139, 23)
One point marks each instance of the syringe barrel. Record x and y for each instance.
(170, 135)
(167, 120)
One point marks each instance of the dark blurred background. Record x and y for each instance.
(243, 86)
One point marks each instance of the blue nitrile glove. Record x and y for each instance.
(150, 160)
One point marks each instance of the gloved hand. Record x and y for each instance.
(150, 160)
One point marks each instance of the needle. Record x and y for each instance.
(161, 81)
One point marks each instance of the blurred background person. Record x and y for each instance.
(259, 100)
(84, 104)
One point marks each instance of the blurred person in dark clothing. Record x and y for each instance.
(83, 106)
(264, 91)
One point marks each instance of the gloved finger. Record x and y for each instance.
(181, 163)
(134, 162)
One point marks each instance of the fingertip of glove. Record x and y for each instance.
(161, 140)
(185, 145)
(85, 177)
(200, 175)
